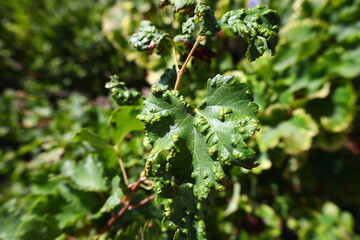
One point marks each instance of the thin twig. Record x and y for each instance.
(136, 184)
(122, 167)
(127, 205)
(144, 201)
(182, 70)
(121, 212)
(175, 60)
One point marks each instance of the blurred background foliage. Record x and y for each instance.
(61, 181)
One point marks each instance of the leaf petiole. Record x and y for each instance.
(182, 70)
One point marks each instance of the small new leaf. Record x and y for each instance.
(120, 93)
(204, 15)
(180, 6)
(259, 26)
(149, 38)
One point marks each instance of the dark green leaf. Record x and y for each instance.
(121, 94)
(149, 38)
(179, 5)
(197, 142)
(259, 26)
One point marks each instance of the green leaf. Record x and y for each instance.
(137, 230)
(86, 175)
(149, 38)
(209, 26)
(259, 26)
(295, 133)
(191, 145)
(119, 116)
(98, 144)
(204, 15)
(343, 102)
(179, 5)
(74, 211)
(121, 94)
(115, 197)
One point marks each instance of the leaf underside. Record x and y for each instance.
(191, 145)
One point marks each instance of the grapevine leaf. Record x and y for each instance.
(120, 93)
(149, 38)
(180, 6)
(67, 216)
(115, 197)
(167, 80)
(149, 230)
(125, 114)
(191, 145)
(259, 26)
(86, 175)
(336, 112)
(204, 15)
(189, 25)
(98, 144)
(296, 133)
(344, 101)
(209, 26)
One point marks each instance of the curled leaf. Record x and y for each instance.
(149, 38)
(259, 26)
(120, 93)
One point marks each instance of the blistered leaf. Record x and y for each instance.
(192, 144)
(121, 94)
(179, 5)
(209, 26)
(204, 15)
(86, 175)
(259, 26)
(189, 25)
(149, 38)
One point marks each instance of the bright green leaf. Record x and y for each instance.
(343, 102)
(125, 114)
(115, 197)
(295, 133)
(86, 175)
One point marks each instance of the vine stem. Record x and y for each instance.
(182, 70)
(175, 59)
(122, 167)
(127, 205)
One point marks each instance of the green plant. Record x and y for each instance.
(94, 186)
(193, 146)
